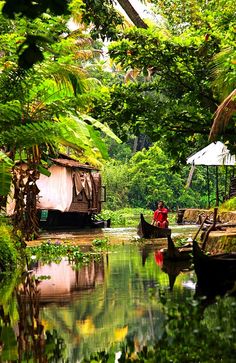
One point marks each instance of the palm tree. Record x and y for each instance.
(223, 115)
(43, 111)
(132, 14)
(224, 83)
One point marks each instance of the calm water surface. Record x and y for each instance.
(99, 305)
(74, 312)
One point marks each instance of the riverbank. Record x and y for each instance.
(218, 241)
(192, 215)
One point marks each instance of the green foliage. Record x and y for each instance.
(149, 176)
(50, 251)
(173, 97)
(33, 10)
(8, 252)
(115, 177)
(229, 205)
(54, 251)
(100, 244)
(125, 216)
(5, 174)
(103, 16)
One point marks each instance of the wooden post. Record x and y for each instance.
(226, 181)
(217, 187)
(211, 228)
(208, 189)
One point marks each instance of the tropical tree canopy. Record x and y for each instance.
(175, 87)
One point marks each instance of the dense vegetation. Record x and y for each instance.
(158, 92)
(8, 250)
(139, 180)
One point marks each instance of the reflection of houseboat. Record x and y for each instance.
(71, 195)
(65, 281)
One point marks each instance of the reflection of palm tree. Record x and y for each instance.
(32, 340)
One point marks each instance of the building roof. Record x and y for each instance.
(215, 153)
(71, 163)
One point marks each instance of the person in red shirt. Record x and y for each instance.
(160, 216)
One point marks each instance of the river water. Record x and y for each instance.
(102, 303)
(77, 311)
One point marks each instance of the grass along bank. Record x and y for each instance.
(129, 217)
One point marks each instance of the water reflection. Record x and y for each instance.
(101, 304)
(62, 312)
(63, 281)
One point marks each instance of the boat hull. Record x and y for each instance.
(214, 268)
(147, 230)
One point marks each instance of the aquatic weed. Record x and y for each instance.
(100, 244)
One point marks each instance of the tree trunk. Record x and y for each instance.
(132, 14)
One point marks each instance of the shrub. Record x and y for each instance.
(8, 252)
(229, 205)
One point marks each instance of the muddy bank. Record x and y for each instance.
(192, 215)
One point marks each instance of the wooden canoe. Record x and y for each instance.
(213, 267)
(147, 230)
(216, 274)
(177, 253)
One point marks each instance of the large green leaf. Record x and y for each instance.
(104, 128)
(5, 174)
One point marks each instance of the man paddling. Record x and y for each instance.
(160, 216)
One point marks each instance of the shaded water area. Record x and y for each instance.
(70, 312)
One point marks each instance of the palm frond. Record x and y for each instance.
(67, 76)
(97, 124)
(223, 115)
(5, 173)
(28, 135)
(223, 71)
(10, 114)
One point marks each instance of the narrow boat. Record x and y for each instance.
(177, 253)
(212, 268)
(147, 230)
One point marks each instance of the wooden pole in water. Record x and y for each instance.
(217, 187)
(226, 181)
(211, 228)
(208, 189)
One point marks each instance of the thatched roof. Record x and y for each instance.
(223, 115)
(215, 153)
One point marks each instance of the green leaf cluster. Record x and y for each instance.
(181, 71)
(150, 175)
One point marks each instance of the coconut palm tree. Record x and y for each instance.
(43, 111)
(223, 115)
(132, 14)
(225, 85)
